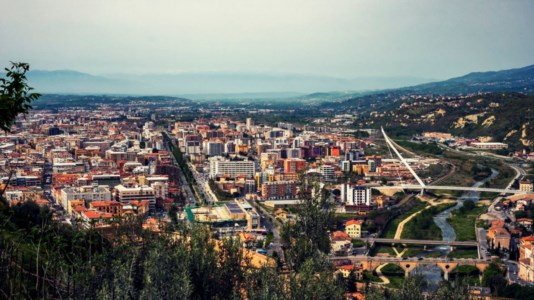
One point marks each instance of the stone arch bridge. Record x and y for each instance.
(409, 264)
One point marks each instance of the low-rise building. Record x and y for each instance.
(526, 185)
(126, 194)
(86, 193)
(354, 228)
(237, 215)
(526, 259)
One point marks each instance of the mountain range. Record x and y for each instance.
(307, 88)
(206, 85)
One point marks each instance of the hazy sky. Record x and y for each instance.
(432, 39)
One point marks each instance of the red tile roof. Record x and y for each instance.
(353, 222)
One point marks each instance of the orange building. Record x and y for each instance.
(294, 165)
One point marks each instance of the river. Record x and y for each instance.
(432, 274)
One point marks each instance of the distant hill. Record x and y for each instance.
(210, 84)
(519, 80)
(505, 117)
(512, 80)
(73, 82)
(55, 101)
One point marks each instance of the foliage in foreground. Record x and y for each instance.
(15, 95)
(40, 258)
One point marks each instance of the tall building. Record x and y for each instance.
(220, 166)
(327, 172)
(345, 165)
(278, 190)
(250, 123)
(294, 153)
(294, 165)
(214, 148)
(355, 195)
(354, 154)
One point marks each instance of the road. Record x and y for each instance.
(186, 189)
(378, 270)
(274, 226)
(483, 242)
(203, 185)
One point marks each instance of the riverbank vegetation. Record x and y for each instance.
(391, 227)
(395, 274)
(463, 220)
(422, 226)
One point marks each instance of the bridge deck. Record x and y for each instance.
(429, 260)
(422, 242)
(454, 188)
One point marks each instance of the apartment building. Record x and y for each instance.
(86, 193)
(126, 194)
(277, 190)
(220, 166)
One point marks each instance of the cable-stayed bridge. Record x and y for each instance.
(422, 186)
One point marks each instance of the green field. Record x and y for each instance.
(382, 249)
(464, 223)
(395, 274)
(463, 253)
(422, 226)
(391, 227)
(412, 251)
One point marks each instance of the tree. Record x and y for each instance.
(308, 236)
(15, 99)
(351, 282)
(469, 205)
(15, 95)
(494, 278)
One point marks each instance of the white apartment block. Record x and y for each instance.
(125, 194)
(220, 166)
(355, 195)
(87, 193)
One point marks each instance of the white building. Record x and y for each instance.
(327, 172)
(88, 193)
(220, 166)
(355, 195)
(125, 194)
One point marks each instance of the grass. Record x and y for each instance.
(369, 276)
(396, 282)
(464, 223)
(423, 227)
(382, 249)
(433, 254)
(412, 251)
(463, 253)
(357, 243)
(468, 274)
(395, 274)
(391, 227)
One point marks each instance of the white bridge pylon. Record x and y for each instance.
(390, 144)
(423, 186)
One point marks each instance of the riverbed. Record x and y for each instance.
(432, 274)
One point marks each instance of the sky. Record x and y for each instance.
(339, 38)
